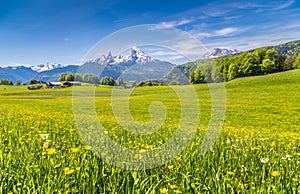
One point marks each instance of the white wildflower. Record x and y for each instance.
(46, 144)
(44, 136)
(264, 160)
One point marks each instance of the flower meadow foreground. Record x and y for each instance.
(257, 151)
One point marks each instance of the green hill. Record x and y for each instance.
(260, 61)
(288, 49)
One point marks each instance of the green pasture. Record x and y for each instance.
(258, 150)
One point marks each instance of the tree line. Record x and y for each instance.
(88, 78)
(10, 82)
(259, 62)
(91, 78)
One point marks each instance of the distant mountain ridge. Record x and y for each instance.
(54, 74)
(17, 73)
(46, 67)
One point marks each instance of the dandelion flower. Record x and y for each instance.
(273, 144)
(264, 160)
(163, 190)
(68, 171)
(87, 148)
(275, 173)
(50, 151)
(172, 186)
(230, 173)
(74, 150)
(170, 167)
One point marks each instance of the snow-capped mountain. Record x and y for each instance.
(46, 67)
(219, 52)
(138, 56)
(136, 65)
(135, 55)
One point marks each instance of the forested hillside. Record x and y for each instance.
(259, 61)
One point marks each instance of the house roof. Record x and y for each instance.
(55, 83)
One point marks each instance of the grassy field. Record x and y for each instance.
(258, 150)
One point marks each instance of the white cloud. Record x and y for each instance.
(285, 5)
(166, 55)
(225, 31)
(252, 42)
(174, 23)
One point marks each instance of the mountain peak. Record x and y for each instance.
(136, 49)
(220, 52)
(135, 55)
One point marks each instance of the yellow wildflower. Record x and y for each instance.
(74, 150)
(68, 171)
(275, 173)
(170, 167)
(50, 151)
(230, 173)
(172, 186)
(163, 190)
(87, 147)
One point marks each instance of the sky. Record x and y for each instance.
(34, 32)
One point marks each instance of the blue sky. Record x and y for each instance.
(33, 32)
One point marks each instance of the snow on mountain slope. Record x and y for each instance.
(219, 52)
(46, 67)
(134, 65)
(135, 55)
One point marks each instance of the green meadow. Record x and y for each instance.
(258, 150)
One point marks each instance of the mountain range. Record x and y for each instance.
(133, 66)
(46, 67)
